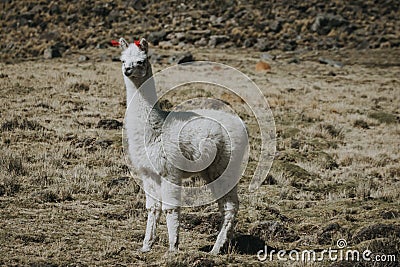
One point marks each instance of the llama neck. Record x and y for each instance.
(146, 95)
(142, 100)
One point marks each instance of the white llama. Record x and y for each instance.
(157, 139)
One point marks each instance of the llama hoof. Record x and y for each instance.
(214, 252)
(145, 249)
(173, 249)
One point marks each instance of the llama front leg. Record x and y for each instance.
(152, 188)
(153, 216)
(228, 206)
(171, 201)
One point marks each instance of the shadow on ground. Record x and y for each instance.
(242, 244)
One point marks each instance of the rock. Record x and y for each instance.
(174, 41)
(363, 45)
(156, 37)
(289, 46)
(51, 52)
(200, 32)
(294, 60)
(275, 26)
(201, 42)
(331, 73)
(137, 4)
(109, 124)
(181, 58)
(83, 58)
(180, 36)
(156, 58)
(191, 38)
(104, 57)
(114, 16)
(262, 66)
(54, 8)
(330, 62)
(217, 39)
(370, 24)
(165, 44)
(249, 42)
(262, 44)
(267, 56)
(182, 45)
(324, 23)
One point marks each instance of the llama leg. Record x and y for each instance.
(153, 216)
(173, 216)
(171, 199)
(228, 206)
(153, 206)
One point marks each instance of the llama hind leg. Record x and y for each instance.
(153, 206)
(172, 217)
(228, 206)
(171, 201)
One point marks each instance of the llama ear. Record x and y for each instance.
(123, 43)
(144, 45)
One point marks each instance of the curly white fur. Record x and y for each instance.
(166, 147)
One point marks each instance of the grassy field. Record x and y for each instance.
(67, 198)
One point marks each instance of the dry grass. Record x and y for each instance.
(66, 196)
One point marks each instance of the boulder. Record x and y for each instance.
(324, 23)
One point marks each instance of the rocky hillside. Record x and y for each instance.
(31, 27)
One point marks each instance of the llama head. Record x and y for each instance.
(134, 58)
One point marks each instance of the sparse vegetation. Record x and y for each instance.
(384, 117)
(67, 197)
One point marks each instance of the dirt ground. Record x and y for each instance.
(67, 198)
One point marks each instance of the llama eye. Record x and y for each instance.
(139, 62)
